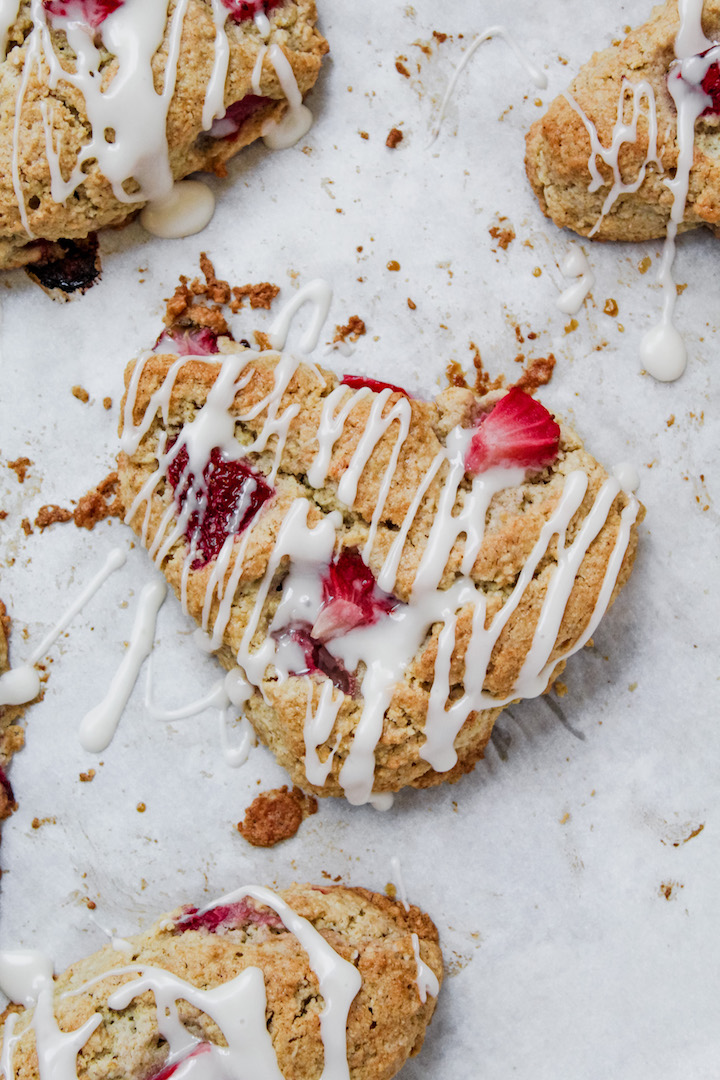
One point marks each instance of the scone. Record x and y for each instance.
(386, 573)
(609, 158)
(107, 102)
(308, 980)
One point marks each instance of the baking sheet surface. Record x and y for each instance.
(574, 875)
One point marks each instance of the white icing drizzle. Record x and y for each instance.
(22, 974)
(575, 265)
(386, 647)
(237, 1007)
(297, 121)
(99, 725)
(426, 980)
(22, 684)
(622, 134)
(319, 294)
(125, 149)
(185, 210)
(537, 77)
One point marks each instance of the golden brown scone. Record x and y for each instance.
(372, 942)
(337, 538)
(40, 112)
(558, 144)
(12, 735)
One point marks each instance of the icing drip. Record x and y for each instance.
(576, 265)
(22, 684)
(426, 979)
(237, 1007)
(537, 76)
(185, 210)
(380, 647)
(98, 726)
(297, 121)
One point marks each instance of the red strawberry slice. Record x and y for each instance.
(316, 658)
(351, 597)
(170, 1070)
(248, 9)
(235, 494)
(90, 12)
(518, 431)
(355, 382)
(202, 342)
(228, 917)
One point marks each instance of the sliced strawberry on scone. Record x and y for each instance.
(351, 597)
(89, 12)
(518, 431)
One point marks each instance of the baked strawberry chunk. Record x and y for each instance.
(351, 597)
(711, 86)
(197, 342)
(248, 9)
(229, 126)
(228, 917)
(355, 382)
(317, 660)
(171, 1070)
(518, 431)
(90, 12)
(234, 496)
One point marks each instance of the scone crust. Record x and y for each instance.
(93, 205)
(558, 145)
(387, 1019)
(515, 518)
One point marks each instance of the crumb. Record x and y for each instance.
(355, 329)
(26, 527)
(455, 374)
(86, 777)
(3, 514)
(537, 271)
(680, 289)
(90, 904)
(20, 467)
(393, 265)
(101, 502)
(141, 808)
(391, 890)
(519, 335)
(395, 136)
(560, 688)
(261, 340)
(439, 37)
(364, 135)
(573, 325)
(611, 307)
(399, 66)
(504, 236)
(537, 373)
(483, 382)
(670, 420)
(50, 515)
(81, 394)
(260, 295)
(411, 304)
(565, 818)
(645, 264)
(666, 889)
(107, 403)
(276, 815)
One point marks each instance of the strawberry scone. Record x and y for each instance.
(631, 151)
(380, 574)
(308, 981)
(108, 102)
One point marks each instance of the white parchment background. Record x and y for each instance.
(577, 917)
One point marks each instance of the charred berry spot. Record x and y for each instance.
(231, 495)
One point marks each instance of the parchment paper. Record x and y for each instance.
(574, 875)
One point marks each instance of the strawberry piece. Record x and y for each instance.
(248, 9)
(170, 1070)
(518, 431)
(235, 494)
(228, 917)
(711, 86)
(355, 382)
(317, 659)
(228, 126)
(90, 12)
(351, 597)
(200, 342)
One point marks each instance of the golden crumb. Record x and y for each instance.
(26, 526)
(504, 235)
(400, 66)
(141, 808)
(393, 265)
(276, 815)
(107, 403)
(86, 777)
(20, 467)
(411, 304)
(80, 393)
(355, 329)
(50, 515)
(395, 137)
(101, 502)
